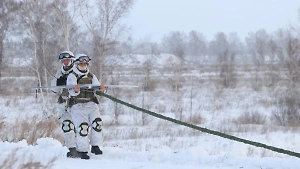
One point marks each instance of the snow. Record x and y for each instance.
(159, 158)
(161, 144)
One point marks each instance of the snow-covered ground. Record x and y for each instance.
(228, 155)
(160, 145)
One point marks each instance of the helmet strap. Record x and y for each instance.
(83, 71)
(66, 68)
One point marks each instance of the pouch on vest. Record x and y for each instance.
(61, 100)
(73, 101)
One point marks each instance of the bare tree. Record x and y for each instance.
(258, 47)
(145, 46)
(68, 16)
(126, 47)
(197, 46)
(149, 84)
(104, 24)
(7, 12)
(225, 50)
(39, 17)
(296, 27)
(289, 52)
(193, 94)
(154, 48)
(175, 43)
(273, 64)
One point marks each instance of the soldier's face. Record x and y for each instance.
(82, 66)
(66, 62)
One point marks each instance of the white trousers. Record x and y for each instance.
(67, 126)
(88, 126)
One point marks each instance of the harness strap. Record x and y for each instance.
(75, 100)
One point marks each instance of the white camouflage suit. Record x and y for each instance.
(86, 116)
(65, 117)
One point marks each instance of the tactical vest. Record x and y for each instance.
(61, 81)
(85, 95)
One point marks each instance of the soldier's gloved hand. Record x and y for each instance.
(103, 87)
(76, 88)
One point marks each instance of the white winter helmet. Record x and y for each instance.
(82, 58)
(66, 54)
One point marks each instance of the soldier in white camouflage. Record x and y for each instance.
(67, 59)
(84, 108)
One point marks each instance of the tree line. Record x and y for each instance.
(37, 31)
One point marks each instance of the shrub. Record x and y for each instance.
(251, 118)
(287, 113)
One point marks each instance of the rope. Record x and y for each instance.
(257, 144)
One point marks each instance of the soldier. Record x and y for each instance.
(84, 107)
(67, 58)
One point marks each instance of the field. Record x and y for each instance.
(247, 108)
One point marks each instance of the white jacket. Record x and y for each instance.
(72, 80)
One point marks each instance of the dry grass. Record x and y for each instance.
(251, 118)
(30, 130)
(18, 161)
(196, 119)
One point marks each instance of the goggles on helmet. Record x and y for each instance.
(65, 55)
(83, 59)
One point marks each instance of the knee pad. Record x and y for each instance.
(67, 126)
(83, 129)
(97, 124)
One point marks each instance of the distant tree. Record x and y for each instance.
(289, 53)
(175, 43)
(8, 10)
(273, 64)
(225, 50)
(148, 83)
(192, 97)
(286, 47)
(154, 48)
(145, 46)
(196, 46)
(258, 47)
(125, 47)
(104, 24)
(295, 27)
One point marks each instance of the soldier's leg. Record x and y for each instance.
(69, 133)
(80, 119)
(96, 129)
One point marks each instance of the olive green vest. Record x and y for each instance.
(85, 95)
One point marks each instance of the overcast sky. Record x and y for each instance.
(155, 18)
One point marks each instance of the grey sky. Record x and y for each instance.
(156, 18)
